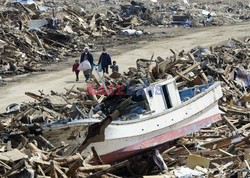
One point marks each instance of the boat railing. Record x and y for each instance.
(189, 93)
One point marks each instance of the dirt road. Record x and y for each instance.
(57, 81)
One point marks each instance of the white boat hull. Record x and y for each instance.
(123, 139)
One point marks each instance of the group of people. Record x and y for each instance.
(103, 64)
(10, 66)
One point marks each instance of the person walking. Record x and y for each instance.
(86, 55)
(105, 61)
(75, 69)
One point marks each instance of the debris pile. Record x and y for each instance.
(25, 50)
(35, 33)
(222, 150)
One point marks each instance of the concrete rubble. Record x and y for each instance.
(36, 33)
(221, 150)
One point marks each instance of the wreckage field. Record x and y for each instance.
(179, 106)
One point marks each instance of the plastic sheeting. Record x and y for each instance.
(184, 172)
(159, 161)
(243, 75)
(24, 1)
(84, 66)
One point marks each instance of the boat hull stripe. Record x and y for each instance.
(158, 140)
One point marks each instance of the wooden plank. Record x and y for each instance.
(101, 98)
(96, 156)
(53, 173)
(72, 170)
(61, 173)
(191, 56)
(112, 168)
(41, 170)
(94, 168)
(14, 167)
(12, 156)
(182, 76)
(169, 150)
(45, 142)
(197, 160)
(203, 75)
(246, 98)
(229, 123)
(156, 176)
(24, 113)
(220, 143)
(69, 91)
(34, 96)
(248, 167)
(189, 69)
(225, 152)
(38, 41)
(112, 175)
(96, 131)
(227, 71)
(244, 128)
(234, 111)
(8, 146)
(41, 162)
(68, 160)
(224, 160)
(247, 154)
(26, 9)
(5, 165)
(6, 2)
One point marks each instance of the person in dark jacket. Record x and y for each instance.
(105, 61)
(86, 55)
(13, 67)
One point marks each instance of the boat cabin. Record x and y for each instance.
(162, 95)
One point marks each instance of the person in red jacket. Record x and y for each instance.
(75, 69)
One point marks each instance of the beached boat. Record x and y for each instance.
(170, 114)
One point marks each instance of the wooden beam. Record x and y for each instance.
(61, 173)
(53, 173)
(15, 167)
(228, 159)
(94, 168)
(225, 152)
(189, 69)
(38, 41)
(182, 76)
(112, 168)
(40, 170)
(34, 96)
(96, 156)
(169, 150)
(72, 170)
(229, 123)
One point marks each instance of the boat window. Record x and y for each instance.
(167, 97)
(150, 93)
